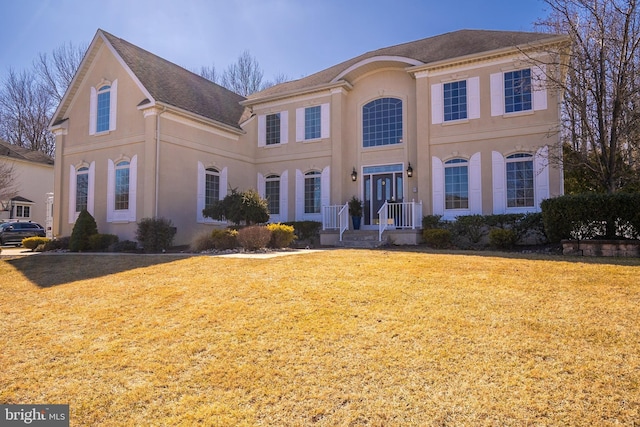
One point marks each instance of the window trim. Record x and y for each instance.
(325, 122)
(474, 176)
(538, 91)
(93, 107)
(122, 215)
(201, 191)
(73, 214)
(284, 129)
(369, 104)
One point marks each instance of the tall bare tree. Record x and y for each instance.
(8, 183)
(25, 111)
(601, 93)
(29, 98)
(244, 77)
(56, 71)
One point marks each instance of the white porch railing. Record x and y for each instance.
(336, 217)
(404, 215)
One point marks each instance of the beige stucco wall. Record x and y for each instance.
(170, 170)
(32, 181)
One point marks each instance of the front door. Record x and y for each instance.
(380, 186)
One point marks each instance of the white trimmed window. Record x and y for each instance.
(312, 192)
(455, 101)
(81, 189)
(520, 181)
(518, 91)
(457, 186)
(274, 189)
(273, 129)
(312, 123)
(22, 210)
(103, 107)
(211, 187)
(121, 189)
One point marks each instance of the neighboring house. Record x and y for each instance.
(33, 183)
(463, 122)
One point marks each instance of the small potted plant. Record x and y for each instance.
(355, 210)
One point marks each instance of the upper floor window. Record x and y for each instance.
(122, 186)
(520, 181)
(312, 192)
(455, 100)
(272, 194)
(273, 129)
(312, 122)
(82, 188)
(382, 122)
(103, 103)
(104, 107)
(456, 184)
(211, 187)
(517, 91)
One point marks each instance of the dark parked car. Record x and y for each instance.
(14, 232)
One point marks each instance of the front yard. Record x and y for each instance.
(335, 338)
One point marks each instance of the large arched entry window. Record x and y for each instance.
(382, 122)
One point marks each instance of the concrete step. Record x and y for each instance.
(360, 239)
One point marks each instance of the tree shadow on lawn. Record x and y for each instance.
(52, 270)
(518, 254)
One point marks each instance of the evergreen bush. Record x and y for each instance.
(155, 234)
(224, 239)
(102, 242)
(502, 238)
(33, 242)
(84, 227)
(437, 238)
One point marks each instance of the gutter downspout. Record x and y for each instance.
(157, 158)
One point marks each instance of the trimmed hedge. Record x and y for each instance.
(592, 216)
(102, 242)
(282, 235)
(437, 238)
(33, 242)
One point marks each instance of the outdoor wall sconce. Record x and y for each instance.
(409, 171)
(354, 175)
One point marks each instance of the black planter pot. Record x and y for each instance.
(356, 222)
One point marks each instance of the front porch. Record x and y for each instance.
(397, 224)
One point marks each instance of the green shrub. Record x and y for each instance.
(254, 237)
(306, 230)
(123, 246)
(84, 228)
(33, 242)
(438, 238)
(502, 238)
(238, 207)
(224, 239)
(470, 227)
(58, 243)
(432, 221)
(155, 234)
(282, 235)
(102, 242)
(592, 216)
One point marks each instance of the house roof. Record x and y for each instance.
(444, 47)
(14, 152)
(165, 82)
(171, 84)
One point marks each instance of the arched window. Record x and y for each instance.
(456, 184)
(272, 193)
(82, 188)
(211, 187)
(382, 122)
(122, 186)
(520, 180)
(104, 108)
(312, 192)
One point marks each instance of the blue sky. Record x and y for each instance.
(293, 37)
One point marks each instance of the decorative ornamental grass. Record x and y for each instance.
(336, 338)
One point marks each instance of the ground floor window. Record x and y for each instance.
(312, 192)
(520, 185)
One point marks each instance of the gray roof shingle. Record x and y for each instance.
(173, 85)
(15, 152)
(446, 46)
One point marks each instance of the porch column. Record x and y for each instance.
(422, 170)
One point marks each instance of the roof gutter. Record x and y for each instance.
(325, 86)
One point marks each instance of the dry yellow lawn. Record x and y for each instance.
(336, 338)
